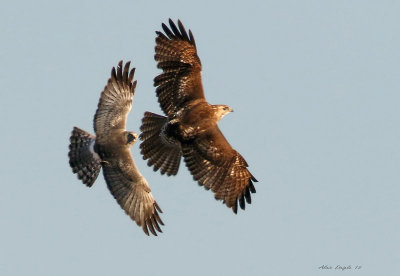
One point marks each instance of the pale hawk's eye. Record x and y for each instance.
(131, 137)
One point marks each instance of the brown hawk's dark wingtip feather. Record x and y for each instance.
(174, 32)
(192, 39)
(160, 35)
(252, 188)
(247, 195)
(241, 202)
(167, 31)
(234, 208)
(183, 31)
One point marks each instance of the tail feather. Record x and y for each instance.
(164, 153)
(82, 159)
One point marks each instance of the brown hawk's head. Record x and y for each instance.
(131, 137)
(220, 110)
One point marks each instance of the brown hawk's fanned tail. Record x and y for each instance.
(164, 153)
(82, 159)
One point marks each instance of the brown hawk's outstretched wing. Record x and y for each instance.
(180, 81)
(132, 192)
(217, 166)
(115, 102)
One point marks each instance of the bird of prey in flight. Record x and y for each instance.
(190, 128)
(110, 150)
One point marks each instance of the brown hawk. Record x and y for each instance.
(110, 150)
(190, 128)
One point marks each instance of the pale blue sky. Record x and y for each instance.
(315, 88)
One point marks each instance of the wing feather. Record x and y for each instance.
(115, 101)
(215, 165)
(180, 82)
(132, 193)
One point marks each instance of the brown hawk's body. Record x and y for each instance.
(110, 150)
(190, 129)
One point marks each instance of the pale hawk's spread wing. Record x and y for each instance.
(125, 182)
(110, 149)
